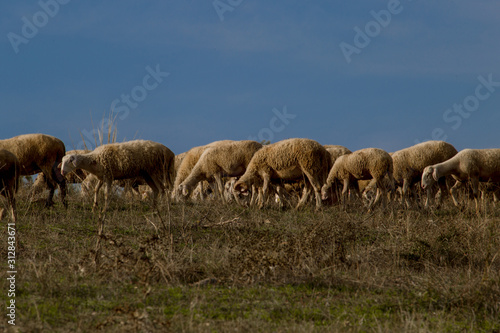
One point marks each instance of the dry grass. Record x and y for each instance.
(209, 267)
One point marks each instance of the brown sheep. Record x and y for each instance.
(39, 153)
(228, 159)
(287, 160)
(362, 164)
(189, 160)
(9, 180)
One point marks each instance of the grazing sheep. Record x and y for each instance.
(409, 164)
(287, 160)
(189, 160)
(228, 159)
(362, 164)
(39, 153)
(335, 152)
(9, 180)
(476, 165)
(149, 160)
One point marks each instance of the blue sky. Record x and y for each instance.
(187, 73)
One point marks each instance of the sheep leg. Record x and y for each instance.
(453, 191)
(380, 195)
(51, 185)
(12, 203)
(159, 185)
(305, 195)
(13, 210)
(354, 186)
(107, 189)
(265, 190)
(405, 200)
(62, 187)
(345, 192)
(96, 193)
(256, 194)
(61, 181)
(375, 201)
(49, 202)
(219, 186)
(155, 186)
(475, 191)
(316, 185)
(442, 191)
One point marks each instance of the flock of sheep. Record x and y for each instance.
(248, 171)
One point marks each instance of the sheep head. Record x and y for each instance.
(68, 164)
(325, 191)
(184, 189)
(428, 176)
(241, 187)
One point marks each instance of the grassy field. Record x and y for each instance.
(209, 267)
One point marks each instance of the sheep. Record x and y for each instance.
(409, 164)
(287, 160)
(228, 159)
(476, 165)
(139, 158)
(288, 192)
(189, 160)
(39, 153)
(361, 165)
(9, 180)
(335, 152)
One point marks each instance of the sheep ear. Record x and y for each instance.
(73, 161)
(59, 166)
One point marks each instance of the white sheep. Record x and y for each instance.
(149, 160)
(475, 165)
(287, 160)
(39, 153)
(9, 180)
(362, 164)
(229, 159)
